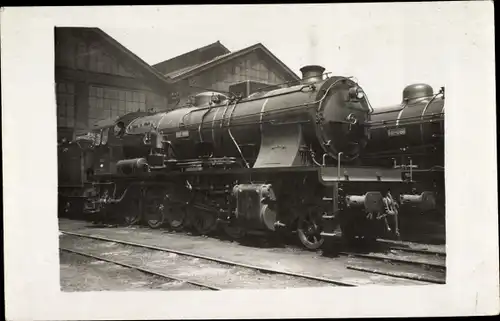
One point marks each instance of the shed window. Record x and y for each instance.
(65, 102)
(107, 102)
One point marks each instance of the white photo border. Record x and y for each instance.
(30, 189)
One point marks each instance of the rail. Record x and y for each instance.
(138, 268)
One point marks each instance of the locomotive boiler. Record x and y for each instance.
(413, 128)
(283, 159)
(320, 117)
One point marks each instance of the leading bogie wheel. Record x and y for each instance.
(309, 229)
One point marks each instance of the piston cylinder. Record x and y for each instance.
(254, 205)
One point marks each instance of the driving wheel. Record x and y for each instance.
(176, 216)
(132, 211)
(204, 222)
(234, 231)
(154, 209)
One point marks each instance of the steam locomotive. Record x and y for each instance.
(283, 159)
(410, 136)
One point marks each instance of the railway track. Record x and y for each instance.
(227, 274)
(413, 247)
(414, 263)
(418, 260)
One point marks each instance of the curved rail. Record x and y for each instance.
(167, 276)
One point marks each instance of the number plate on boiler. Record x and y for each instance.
(181, 134)
(396, 132)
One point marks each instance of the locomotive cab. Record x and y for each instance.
(117, 139)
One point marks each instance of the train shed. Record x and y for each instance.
(214, 67)
(98, 78)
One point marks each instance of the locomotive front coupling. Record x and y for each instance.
(255, 205)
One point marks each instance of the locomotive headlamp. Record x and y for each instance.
(356, 93)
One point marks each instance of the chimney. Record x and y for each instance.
(312, 73)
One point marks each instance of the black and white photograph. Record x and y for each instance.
(222, 159)
(204, 149)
